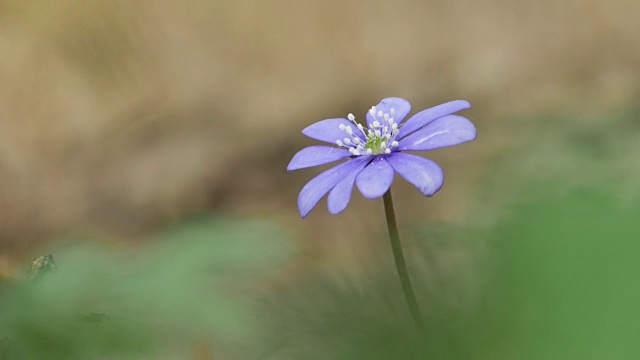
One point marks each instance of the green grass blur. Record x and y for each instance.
(182, 290)
(556, 280)
(565, 281)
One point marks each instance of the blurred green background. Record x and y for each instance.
(144, 144)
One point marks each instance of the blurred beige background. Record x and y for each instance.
(119, 117)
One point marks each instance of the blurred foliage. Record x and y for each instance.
(155, 302)
(563, 153)
(565, 281)
(559, 282)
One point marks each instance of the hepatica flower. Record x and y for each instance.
(375, 152)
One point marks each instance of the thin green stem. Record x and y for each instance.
(401, 265)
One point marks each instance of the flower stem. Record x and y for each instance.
(401, 265)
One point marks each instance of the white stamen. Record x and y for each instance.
(393, 111)
(377, 138)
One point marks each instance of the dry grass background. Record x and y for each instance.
(117, 117)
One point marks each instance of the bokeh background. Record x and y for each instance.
(144, 144)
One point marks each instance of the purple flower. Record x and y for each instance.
(376, 152)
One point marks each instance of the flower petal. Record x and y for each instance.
(426, 116)
(401, 107)
(341, 194)
(422, 173)
(315, 189)
(375, 179)
(446, 131)
(316, 155)
(329, 130)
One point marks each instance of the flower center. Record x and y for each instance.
(377, 138)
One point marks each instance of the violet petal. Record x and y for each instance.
(341, 194)
(422, 173)
(316, 155)
(375, 179)
(329, 130)
(446, 131)
(400, 106)
(424, 117)
(315, 189)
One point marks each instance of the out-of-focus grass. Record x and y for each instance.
(565, 281)
(158, 301)
(556, 280)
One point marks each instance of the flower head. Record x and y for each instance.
(375, 152)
